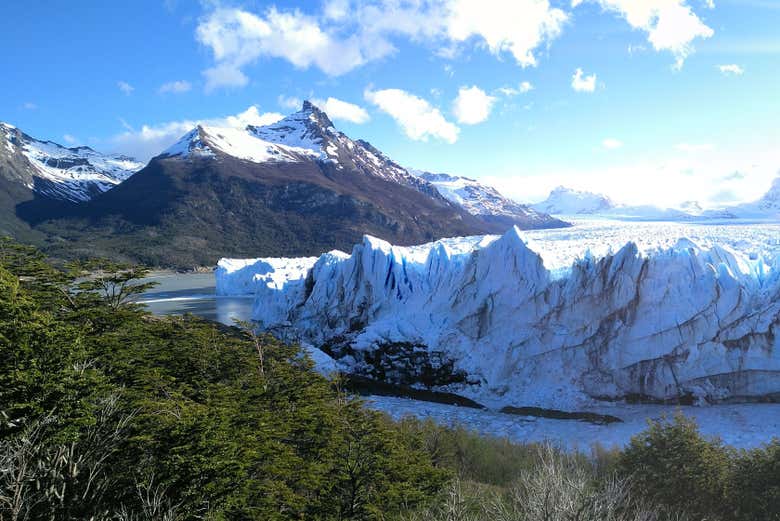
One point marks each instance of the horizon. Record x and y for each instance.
(685, 98)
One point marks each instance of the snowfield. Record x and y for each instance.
(561, 319)
(743, 425)
(560, 248)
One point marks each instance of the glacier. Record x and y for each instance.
(509, 320)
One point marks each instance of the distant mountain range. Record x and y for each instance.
(296, 187)
(486, 202)
(568, 203)
(58, 172)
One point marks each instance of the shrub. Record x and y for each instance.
(672, 464)
(754, 484)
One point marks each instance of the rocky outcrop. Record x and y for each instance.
(679, 324)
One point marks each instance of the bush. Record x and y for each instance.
(754, 484)
(672, 464)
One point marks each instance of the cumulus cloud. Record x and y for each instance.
(125, 87)
(472, 105)
(346, 34)
(518, 27)
(175, 87)
(671, 25)
(150, 140)
(731, 69)
(342, 110)
(611, 143)
(582, 83)
(416, 117)
(238, 38)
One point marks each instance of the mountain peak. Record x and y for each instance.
(316, 115)
(774, 191)
(567, 201)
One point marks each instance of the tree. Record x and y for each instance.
(672, 464)
(754, 484)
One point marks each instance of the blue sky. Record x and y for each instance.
(676, 99)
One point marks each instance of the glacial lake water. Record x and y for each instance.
(180, 293)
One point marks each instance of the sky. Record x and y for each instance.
(647, 101)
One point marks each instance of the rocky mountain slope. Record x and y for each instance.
(487, 203)
(297, 187)
(37, 177)
(58, 172)
(484, 317)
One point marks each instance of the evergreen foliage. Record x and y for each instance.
(110, 413)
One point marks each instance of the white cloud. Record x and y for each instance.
(70, 139)
(731, 70)
(515, 26)
(29, 106)
(582, 83)
(693, 148)
(289, 102)
(336, 9)
(347, 34)
(522, 88)
(125, 87)
(738, 174)
(472, 105)
(671, 25)
(611, 143)
(237, 38)
(342, 110)
(416, 117)
(150, 140)
(175, 87)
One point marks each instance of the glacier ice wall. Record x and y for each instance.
(679, 322)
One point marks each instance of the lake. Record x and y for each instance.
(179, 293)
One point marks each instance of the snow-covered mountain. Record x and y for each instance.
(296, 187)
(766, 208)
(485, 317)
(567, 202)
(306, 135)
(486, 202)
(58, 172)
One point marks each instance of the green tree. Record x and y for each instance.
(754, 484)
(672, 464)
